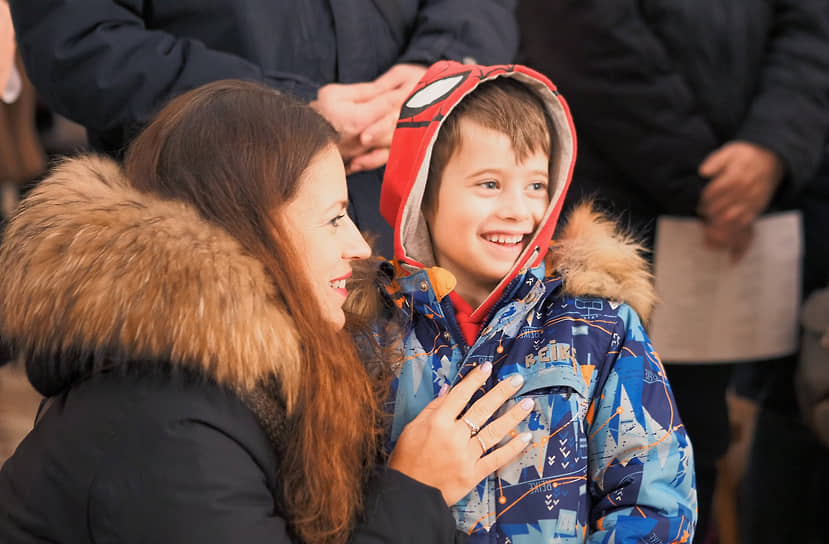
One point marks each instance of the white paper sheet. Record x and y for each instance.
(713, 310)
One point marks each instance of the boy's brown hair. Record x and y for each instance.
(503, 104)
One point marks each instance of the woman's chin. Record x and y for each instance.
(335, 317)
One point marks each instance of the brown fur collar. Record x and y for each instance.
(598, 259)
(90, 265)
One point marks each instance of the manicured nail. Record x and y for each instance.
(516, 380)
(443, 389)
(527, 404)
(486, 368)
(525, 437)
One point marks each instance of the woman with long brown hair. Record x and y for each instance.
(184, 316)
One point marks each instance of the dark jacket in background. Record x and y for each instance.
(110, 64)
(150, 328)
(657, 85)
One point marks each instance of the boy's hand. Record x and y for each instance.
(440, 447)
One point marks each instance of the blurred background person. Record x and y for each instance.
(21, 160)
(21, 155)
(112, 63)
(691, 108)
(7, 50)
(787, 473)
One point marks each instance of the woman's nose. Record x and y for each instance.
(355, 247)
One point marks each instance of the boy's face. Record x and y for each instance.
(487, 208)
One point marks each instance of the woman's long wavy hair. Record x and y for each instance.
(235, 151)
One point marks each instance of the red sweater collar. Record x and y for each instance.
(463, 315)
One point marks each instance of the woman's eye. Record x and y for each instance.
(337, 221)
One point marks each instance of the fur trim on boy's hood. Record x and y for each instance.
(95, 269)
(441, 89)
(595, 258)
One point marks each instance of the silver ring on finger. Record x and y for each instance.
(481, 442)
(473, 429)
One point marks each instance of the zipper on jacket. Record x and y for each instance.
(507, 296)
(454, 329)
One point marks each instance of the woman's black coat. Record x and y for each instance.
(151, 330)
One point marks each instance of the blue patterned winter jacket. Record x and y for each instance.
(609, 460)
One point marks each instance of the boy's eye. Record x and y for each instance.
(337, 221)
(489, 184)
(538, 186)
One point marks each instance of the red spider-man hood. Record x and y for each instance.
(444, 85)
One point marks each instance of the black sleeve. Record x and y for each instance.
(481, 30)
(403, 511)
(192, 483)
(98, 63)
(195, 482)
(620, 80)
(790, 112)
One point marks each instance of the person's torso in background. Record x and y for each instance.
(343, 41)
(719, 47)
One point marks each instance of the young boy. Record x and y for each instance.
(479, 166)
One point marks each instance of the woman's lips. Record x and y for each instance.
(338, 284)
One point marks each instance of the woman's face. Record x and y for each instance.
(322, 232)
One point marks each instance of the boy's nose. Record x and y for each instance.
(513, 206)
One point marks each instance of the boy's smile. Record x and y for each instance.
(488, 207)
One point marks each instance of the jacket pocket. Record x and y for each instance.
(553, 379)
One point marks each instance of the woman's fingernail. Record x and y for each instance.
(525, 437)
(527, 404)
(516, 380)
(443, 389)
(486, 368)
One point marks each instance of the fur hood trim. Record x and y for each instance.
(95, 268)
(595, 258)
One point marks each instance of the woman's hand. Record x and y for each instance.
(441, 449)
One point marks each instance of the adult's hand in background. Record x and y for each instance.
(743, 179)
(736, 241)
(351, 109)
(395, 85)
